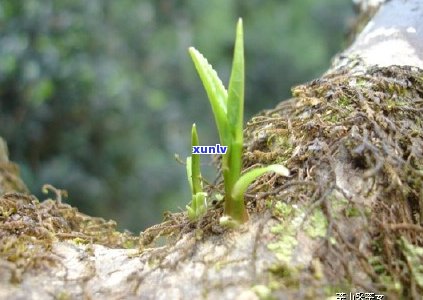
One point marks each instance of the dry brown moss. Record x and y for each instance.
(371, 123)
(28, 229)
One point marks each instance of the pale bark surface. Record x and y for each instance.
(259, 260)
(394, 36)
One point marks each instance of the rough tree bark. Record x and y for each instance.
(348, 219)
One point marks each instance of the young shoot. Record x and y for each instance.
(198, 202)
(228, 110)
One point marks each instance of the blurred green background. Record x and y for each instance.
(96, 96)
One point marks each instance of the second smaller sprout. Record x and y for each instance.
(199, 198)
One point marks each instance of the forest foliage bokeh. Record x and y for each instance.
(97, 96)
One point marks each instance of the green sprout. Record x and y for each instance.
(228, 110)
(198, 202)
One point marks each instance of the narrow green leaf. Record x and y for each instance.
(189, 173)
(198, 200)
(246, 179)
(235, 123)
(215, 90)
(236, 87)
(236, 106)
(195, 163)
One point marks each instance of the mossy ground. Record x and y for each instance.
(29, 227)
(371, 122)
(354, 146)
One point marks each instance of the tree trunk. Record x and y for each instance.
(348, 220)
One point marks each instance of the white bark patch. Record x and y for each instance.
(392, 52)
(393, 37)
(411, 30)
(365, 5)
